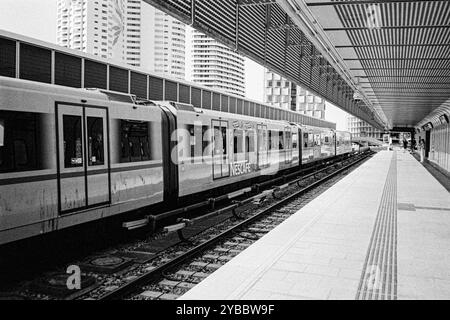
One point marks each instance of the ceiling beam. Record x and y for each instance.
(393, 45)
(446, 26)
(359, 2)
(395, 59)
(363, 69)
(409, 76)
(403, 82)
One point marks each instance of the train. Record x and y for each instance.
(70, 156)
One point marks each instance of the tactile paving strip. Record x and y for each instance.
(379, 276)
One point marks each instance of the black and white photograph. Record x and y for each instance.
(221, 159)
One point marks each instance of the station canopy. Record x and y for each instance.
(385, 61)
(399, 52)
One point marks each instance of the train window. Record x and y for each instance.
(220, 140)
(21, 153)
(270, 139)
(2, 132)
(305, 140)
(237, 138)
(224, 140)
(250, 141)
(262, 139)
(288, 142)
(294, 140)
(247, 143)
(205, 139)
(192, 140)
(199, 140)
(218, 147)
(135, 141)
(19, 141)
(274, 140)
(73, 141)
(96, 149)
(327, 139)
(281, 140)
(317, 141)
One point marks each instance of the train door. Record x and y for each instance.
(288, 144)
(220, 150)
(263, 147)
(317, 146)
(297, 144)
(83, 157)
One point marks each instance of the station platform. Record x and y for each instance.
(382, 232)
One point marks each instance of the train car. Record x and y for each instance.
(216, 149)
(71, 156)
(317, 144)
(343, 142)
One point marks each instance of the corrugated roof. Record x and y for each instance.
(269, 32)
(399, 49)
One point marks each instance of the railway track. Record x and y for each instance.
(170, 264)
(173, 278)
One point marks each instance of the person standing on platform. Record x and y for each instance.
(405, 145)
(421, 149)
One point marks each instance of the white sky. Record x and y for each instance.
(37, 19)
(32, 18)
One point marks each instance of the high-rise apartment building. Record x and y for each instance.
(129, 31)
(278, 91)
(309, 104)
(215, 65)
(167, 37)
(281, 93)
(94, 26)
(359, 128)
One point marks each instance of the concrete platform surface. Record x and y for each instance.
(382, 232)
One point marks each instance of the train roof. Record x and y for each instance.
(84, 95)
(163, 86)
(176, 106)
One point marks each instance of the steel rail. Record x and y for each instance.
(159, 271)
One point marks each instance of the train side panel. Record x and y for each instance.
(216, 149)
(317, 144)
(136, 156)
(28, 173)
(343, 142)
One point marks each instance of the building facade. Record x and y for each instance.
(163, 42)
(216, 66)
(95, 27)
(129, 31)
(360, 129)
(281, 93)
